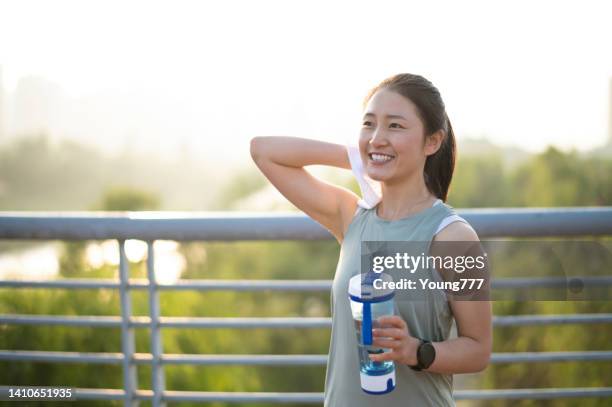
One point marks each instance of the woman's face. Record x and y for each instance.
(392, 127)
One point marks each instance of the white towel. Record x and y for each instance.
(370, 189)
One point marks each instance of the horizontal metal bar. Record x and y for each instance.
(181, 226)
(181, 285)
(255, 360)
(167, 322)
(70, 284)
(271, 322)
(317, 398)
(521, 320)
(61, 357)
(275, 360)
(278, 360)
(144, 395)
(531, 394)
(549, 282)
(236, 226)
(169, 359)
(270, 360)
(278, 322)
(276, 285)
(243, 397)
(535, 357)
(100, 394)
(93, 321)
(236, 397)
(250, 285)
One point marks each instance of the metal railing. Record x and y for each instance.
(149, 226)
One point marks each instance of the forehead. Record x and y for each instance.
(386, 102)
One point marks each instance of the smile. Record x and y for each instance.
(380, 158)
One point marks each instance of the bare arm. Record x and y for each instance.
(299, 152)
(471, 350)
(282, 161)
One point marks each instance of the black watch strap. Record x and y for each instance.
(417, 367)
(426, 354)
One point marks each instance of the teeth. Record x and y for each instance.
(380, 157)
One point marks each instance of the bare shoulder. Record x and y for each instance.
(457, 231)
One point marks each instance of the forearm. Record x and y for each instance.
(460, 355)
(299, 152)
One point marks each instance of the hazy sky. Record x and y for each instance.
(210, 75)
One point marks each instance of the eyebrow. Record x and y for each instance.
(388, 116)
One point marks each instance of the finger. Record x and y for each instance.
(390, 333)
(393, 320)
(387, 343)
(382, 357)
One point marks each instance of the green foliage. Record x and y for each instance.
(479, 182)
(554, 178)
(125, 198)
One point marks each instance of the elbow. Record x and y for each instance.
(483, 359)
(483, 362)
(255, 148)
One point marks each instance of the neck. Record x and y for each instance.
(403, 199)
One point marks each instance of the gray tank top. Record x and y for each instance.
(428, 319)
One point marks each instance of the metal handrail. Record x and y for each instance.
(270, 322)
(276, 285)
(270, 360)
(231, 226)
(151, 226)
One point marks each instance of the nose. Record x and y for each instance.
(378, 137)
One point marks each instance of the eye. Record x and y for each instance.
(367, 123)
(397, 124)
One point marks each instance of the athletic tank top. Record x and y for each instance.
(429, 319)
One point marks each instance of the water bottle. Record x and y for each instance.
(367, 304)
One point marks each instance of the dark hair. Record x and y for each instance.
(439, 167)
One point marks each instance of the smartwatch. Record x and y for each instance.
(426, 354)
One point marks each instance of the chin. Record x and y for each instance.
(376, 176)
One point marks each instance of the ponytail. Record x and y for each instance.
(439, 166)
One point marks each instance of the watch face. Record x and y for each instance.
(427, 354)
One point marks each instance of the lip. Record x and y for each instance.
(377, 152)
(379, 163)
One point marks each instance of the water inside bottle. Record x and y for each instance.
(367, 365)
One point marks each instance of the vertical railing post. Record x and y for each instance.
(130, 378)
(157, 370)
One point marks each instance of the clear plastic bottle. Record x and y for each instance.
(368, 304)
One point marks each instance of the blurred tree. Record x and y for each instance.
(126, 198)
(479, 181)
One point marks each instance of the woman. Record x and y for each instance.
(407, 144)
